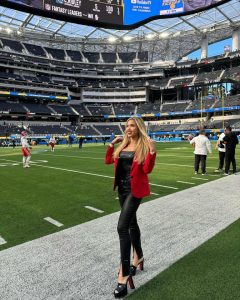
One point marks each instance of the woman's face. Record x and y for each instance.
(131, 129)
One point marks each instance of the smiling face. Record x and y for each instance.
(131, 129)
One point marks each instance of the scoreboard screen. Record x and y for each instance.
(120, 14)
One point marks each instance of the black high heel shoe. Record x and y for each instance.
(121, 289)
(133, 269)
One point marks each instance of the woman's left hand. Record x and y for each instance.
(152, 146)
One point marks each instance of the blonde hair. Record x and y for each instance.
(142, 146)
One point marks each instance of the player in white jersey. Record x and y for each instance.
(25, 149)
(52, 143)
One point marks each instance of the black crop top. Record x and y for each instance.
(124, 165)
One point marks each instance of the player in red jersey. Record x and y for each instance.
(25, 149)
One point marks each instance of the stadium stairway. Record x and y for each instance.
(82, 262)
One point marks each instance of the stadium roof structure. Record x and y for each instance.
(168, 39)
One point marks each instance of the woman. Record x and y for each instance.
(133, 160)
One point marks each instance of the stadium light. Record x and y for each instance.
(8, 30)
(150, 36)
(163, 35)
(127, 38)
(112, 39)
(177, 33)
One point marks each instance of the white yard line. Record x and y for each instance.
(205, 179)
(74, 156)
(2, 241)
(94, 209)
(181, 165)
(54, 222)
(154, 194)
(185, 182)
(165, 186)
(94, 174)
(74, 171)
(215, 175)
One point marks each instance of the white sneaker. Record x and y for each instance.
(204, 174)
(27, 166)
(225, 174)
(195, 172)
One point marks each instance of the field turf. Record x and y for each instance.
(60, 184)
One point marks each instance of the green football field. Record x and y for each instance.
(60, 184)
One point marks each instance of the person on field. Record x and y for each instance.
(231, 141)
(52, 143)
(221, 151)
(202, 147)
(25, 149)
(134, 159)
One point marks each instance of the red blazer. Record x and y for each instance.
(139, 178)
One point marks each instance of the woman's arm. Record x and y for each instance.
(149, 163)
(151, 157)
(109, 155)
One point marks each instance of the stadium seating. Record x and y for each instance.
(124, 108)
(92, 57)
(56, 53)
(175, 106)
(108, 129)
(13, 45)
(48, 129)
(99, 110)
(75, 55)
(127, 57)
(143, 56)
(35, 50)
(148, 108)
(38, 108)
(12, 107)
(109, 57)
(63, 109)
(80, 109)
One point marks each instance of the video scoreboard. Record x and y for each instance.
(122, 14)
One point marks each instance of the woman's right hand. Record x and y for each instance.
(117, 140)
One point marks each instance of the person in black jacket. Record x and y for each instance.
(231, 141)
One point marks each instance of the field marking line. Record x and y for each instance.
(94, 174)
(154, 194)
(180, 165)
(105, 176)
(205, 179)
(102, 158)
(2, 241)
(94, 209)
(52, 221)
(15, 161)
(165, 186)
(74, 171)
(186, 182)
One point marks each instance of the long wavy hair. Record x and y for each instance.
(142, 146)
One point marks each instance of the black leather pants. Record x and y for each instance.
(128, 229)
